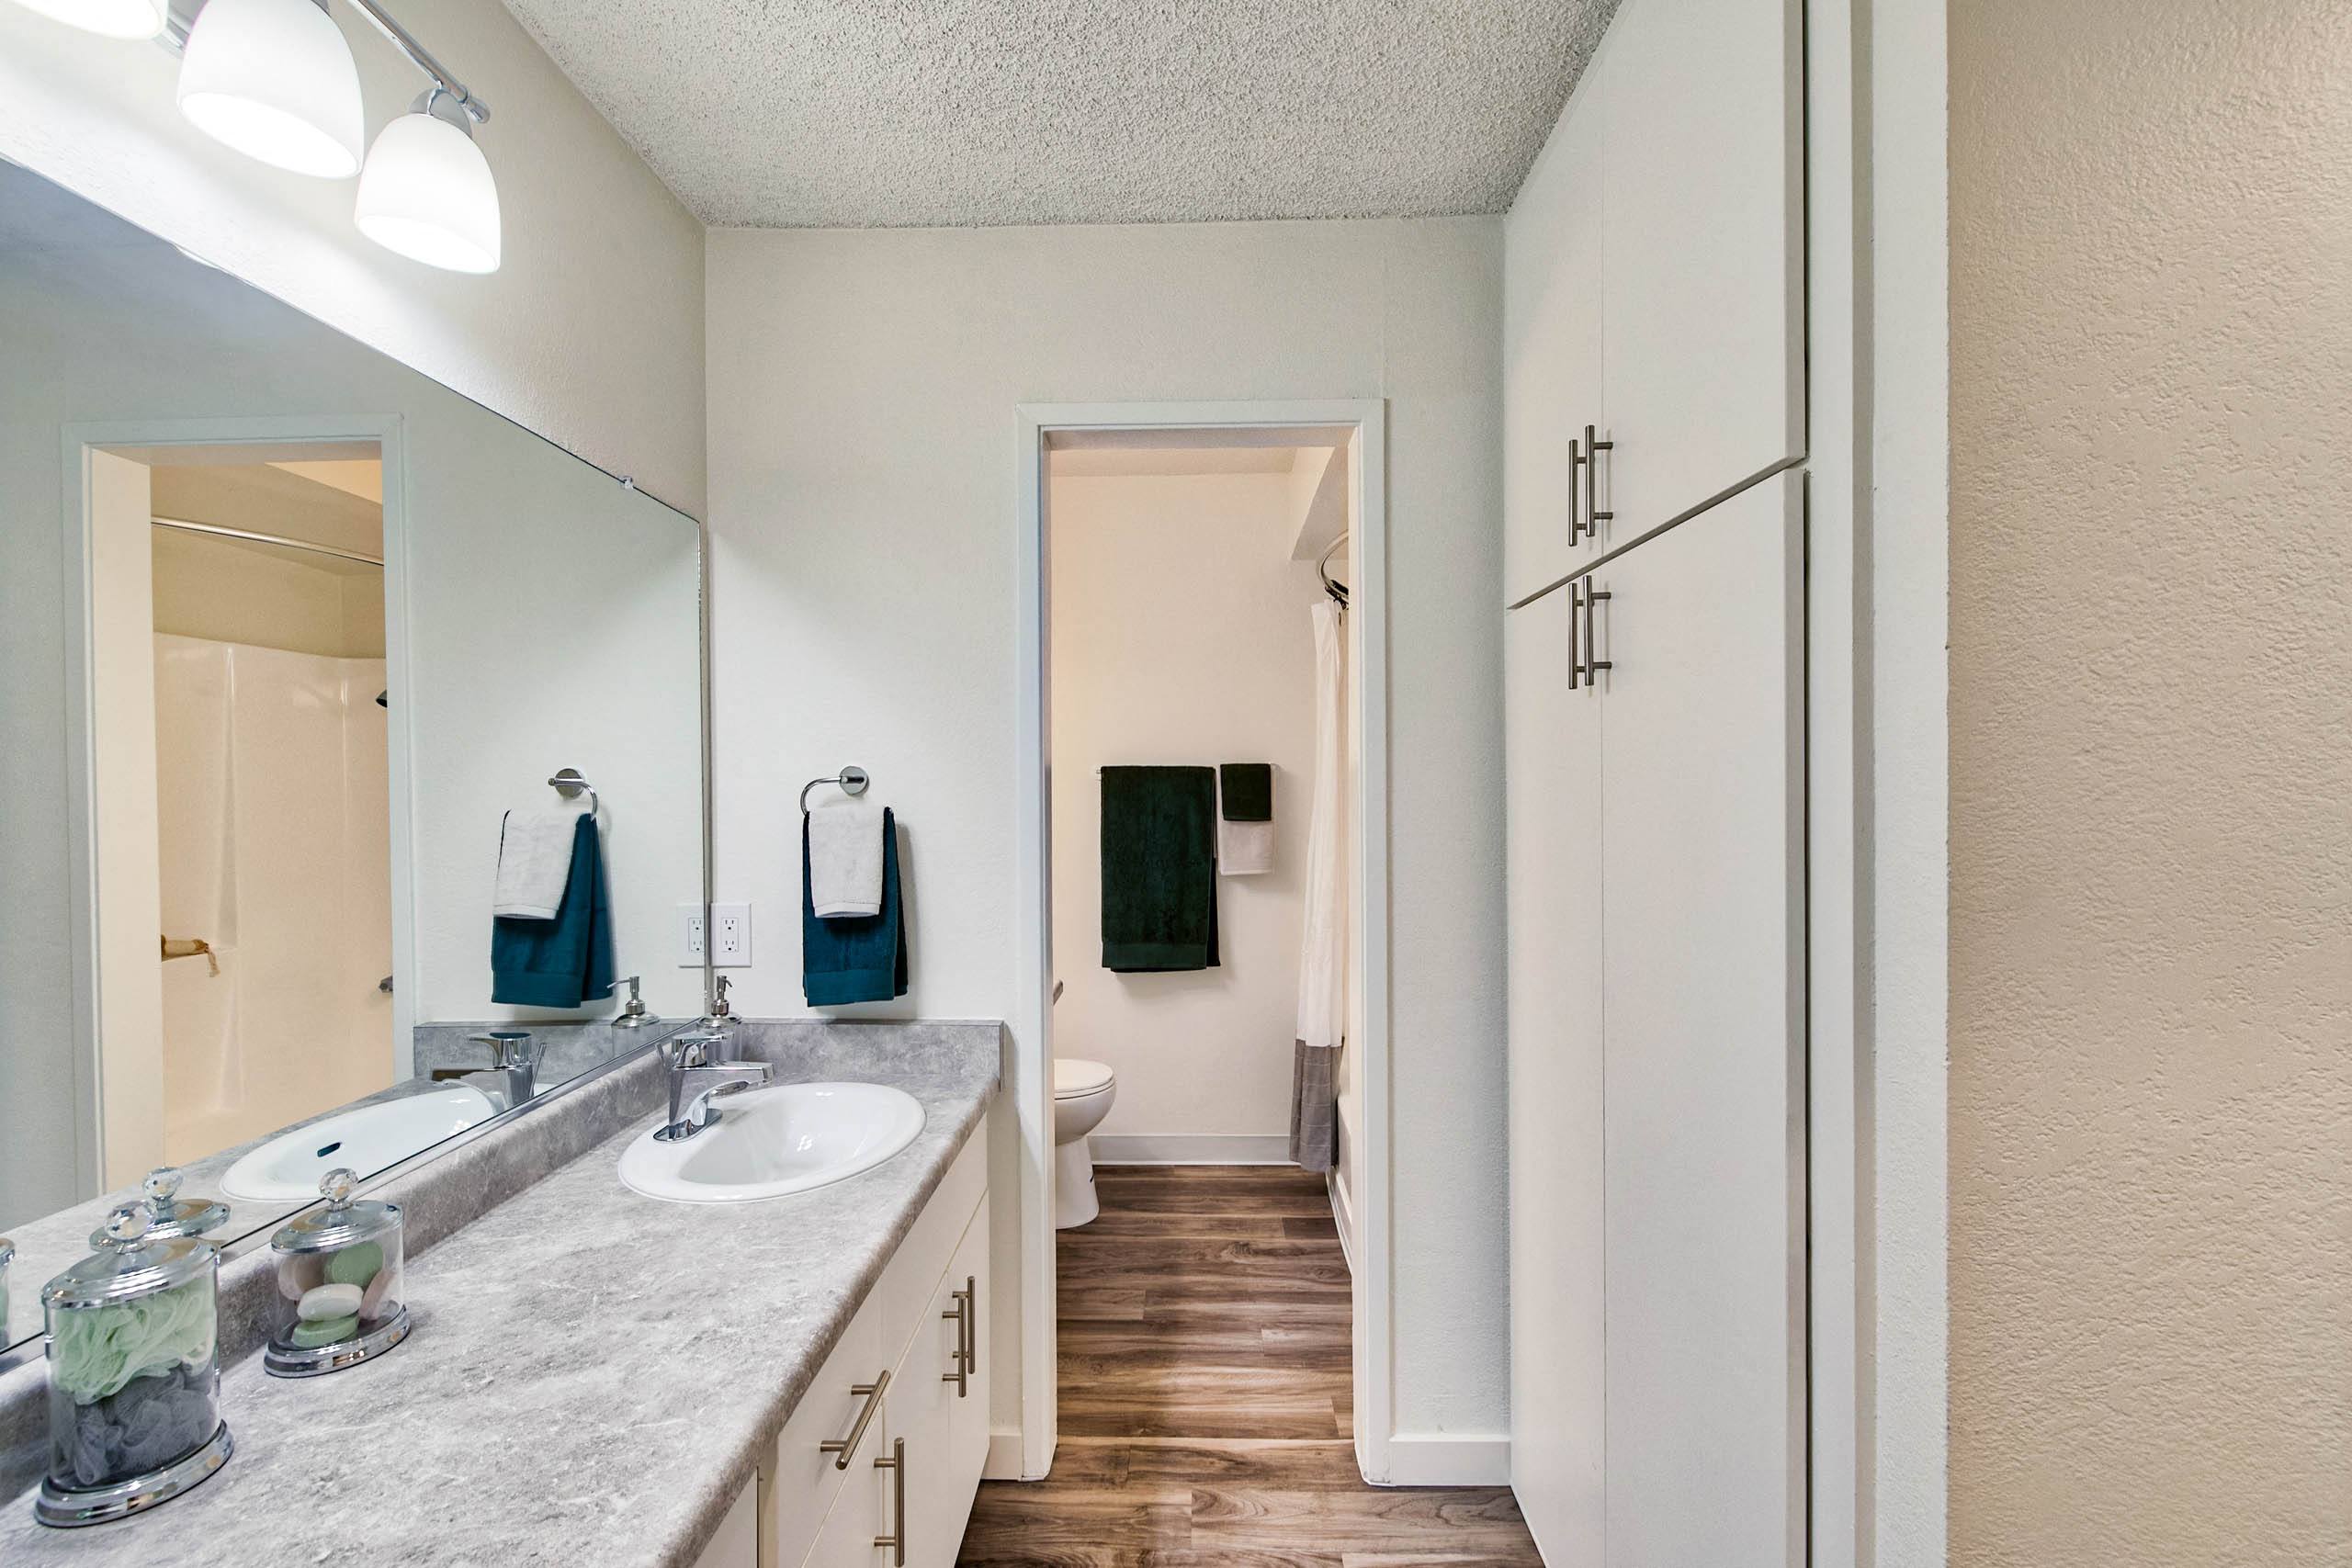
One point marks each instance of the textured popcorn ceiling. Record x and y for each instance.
(884, 113)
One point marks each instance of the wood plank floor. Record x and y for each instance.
(1206, 1398)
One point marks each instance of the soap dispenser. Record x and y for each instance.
(339, 1299)
(134, 1375)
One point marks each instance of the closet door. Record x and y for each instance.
(1552, 742)
(1552, 380)
(1704, 228)
(1702, 872)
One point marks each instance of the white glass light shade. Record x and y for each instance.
(108, 18)
(427, 193)
(275, 80)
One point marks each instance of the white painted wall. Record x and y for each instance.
(863, 489)
(590, 334)
(552, 615)
(1180, 634)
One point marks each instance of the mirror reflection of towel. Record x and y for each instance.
(566, 962)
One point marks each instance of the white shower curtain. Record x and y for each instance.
(1323, 946)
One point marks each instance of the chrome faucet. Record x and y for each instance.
(516, 1053)
(695, 1081)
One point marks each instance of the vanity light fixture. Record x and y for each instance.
(275, 80)
(108, 18)
(426, 191)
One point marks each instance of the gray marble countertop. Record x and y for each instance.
(593, 1374)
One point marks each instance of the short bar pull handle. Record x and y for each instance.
(1576, 461)
(1576, 660)
(897, 1539)
(961, 1315)
(1592, 666)
(841, 1448)
(1594, 447)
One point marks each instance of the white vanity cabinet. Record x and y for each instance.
(903, 1400)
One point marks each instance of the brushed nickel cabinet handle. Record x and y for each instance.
(1576, 662)
(1594, 447)
(1592, 666)
(1576, 461)
(961, 1315)
(972, 1304)
(897, 1539)
(841, 1448)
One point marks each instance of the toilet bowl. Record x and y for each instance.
(1082, 1095)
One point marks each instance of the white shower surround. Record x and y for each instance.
(273, 824)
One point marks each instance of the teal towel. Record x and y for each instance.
(566, 962)
(1245, 791)
(857, 958)
(1158, 869)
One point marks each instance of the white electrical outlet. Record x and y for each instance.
(690, 936)
(730, 935)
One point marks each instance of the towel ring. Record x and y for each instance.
(852, 781)
(568, 782)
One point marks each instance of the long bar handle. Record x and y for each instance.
(1576, 605)
(1576, 461)
(841, 1448)
(1592, 666)
(897, 1539)
(1594, 517)
(961, 1315)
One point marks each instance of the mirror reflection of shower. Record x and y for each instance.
(271, 824)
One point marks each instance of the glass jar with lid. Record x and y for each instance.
(168, 1214)
(339, 1298)
(134, 1374)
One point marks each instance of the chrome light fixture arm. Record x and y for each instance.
(422, 58)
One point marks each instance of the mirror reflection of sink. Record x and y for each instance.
(288, 1167)
(768, 1143)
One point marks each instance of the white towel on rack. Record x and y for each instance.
(1244, 849)
(534, 861)
(845, 860)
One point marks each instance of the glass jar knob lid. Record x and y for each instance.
(129, 1262)
(169, 1214)
(344, 1220)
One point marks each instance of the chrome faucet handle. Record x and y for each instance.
(510, 1047)
(692, 1048)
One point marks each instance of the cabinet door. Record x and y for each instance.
(1702, 872)
(1552, 760)
(1552, 378)
(934, 1421)
(968, 1423)
(861, 1510)
(797, 1484)
(1704, 228)
(737, 1544)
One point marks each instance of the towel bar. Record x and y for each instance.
(852, 781)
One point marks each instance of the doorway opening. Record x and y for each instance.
(238, 794)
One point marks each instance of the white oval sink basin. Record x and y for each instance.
(769, 1142)
(288, 1167)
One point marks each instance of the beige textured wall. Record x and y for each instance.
(2150, 1106)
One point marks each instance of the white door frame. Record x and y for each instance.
(1030, 1087)
(78, 441)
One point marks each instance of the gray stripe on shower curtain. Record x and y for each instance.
(1323, 943)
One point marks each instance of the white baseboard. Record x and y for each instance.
(1449, 1459)
(1343, 1214)
(1004, 1461)
(1192, 1148)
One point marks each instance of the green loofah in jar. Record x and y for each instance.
(99, 1349)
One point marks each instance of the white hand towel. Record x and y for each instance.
(1244, 849)
(845, 860)
(533, 862)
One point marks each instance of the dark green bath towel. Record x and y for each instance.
(1246, 791)
(860, 958)
(1158, 869)
(566, 962)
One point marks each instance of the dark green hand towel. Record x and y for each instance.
(1158, 869)
(860, 958)
(566, 962)
(1245, 791)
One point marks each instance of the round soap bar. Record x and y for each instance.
(326, 1331)
(328, 1302)
(355, 1265)
(380, 1293)
(300, 1271)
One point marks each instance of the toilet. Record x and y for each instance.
(1082, 1095)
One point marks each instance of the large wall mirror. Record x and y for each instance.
(295, 642)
